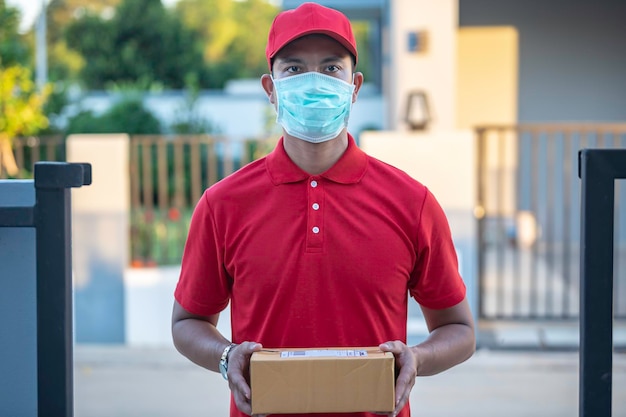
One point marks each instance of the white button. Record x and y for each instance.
(316, 230)
(316, 206)
(313, 183)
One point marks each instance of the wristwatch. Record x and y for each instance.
(224, 361)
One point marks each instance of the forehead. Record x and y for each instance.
(313, 44)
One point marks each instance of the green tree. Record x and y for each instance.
(214, 20)
(63, 63)
(141, 40)
(255, 18)
(13, 46)
(21, 111)
(233, 33)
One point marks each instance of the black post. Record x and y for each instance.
(54, 284)
(598, 169)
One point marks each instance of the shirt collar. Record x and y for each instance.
(349, 169)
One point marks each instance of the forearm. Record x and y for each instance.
(444, 348)
(199, 341)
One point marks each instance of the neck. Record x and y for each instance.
(315, 158)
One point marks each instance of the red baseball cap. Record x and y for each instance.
(308, 19)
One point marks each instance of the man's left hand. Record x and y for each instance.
(406, 363)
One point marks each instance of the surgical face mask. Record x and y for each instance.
(313, 107)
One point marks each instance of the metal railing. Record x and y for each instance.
(168, 175)
(528, 211)
(528, 206)
(32, 149)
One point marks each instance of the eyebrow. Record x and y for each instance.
(289, 60)
(294, 60)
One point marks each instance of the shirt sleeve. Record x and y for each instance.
(204, 286)
(435, 282)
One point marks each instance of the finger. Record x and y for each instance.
(404, 385)
(238, 369)
(241, 395)
(404, 399)
(238, 375)
(238, 366)
(237, 382)
(405, 363)
(242, 403)
(394, 347)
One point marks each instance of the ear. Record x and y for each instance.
(358, 82)
(268, 86)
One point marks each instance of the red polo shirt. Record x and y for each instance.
(318, 260)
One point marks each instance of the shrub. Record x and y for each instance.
(127, 116)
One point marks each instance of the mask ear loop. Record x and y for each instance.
(352, 100)
(277, 107)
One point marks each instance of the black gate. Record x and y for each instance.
(51, 218)
(599, 168)
(528, 211)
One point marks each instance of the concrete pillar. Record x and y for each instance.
(422, 40)
(101, 237)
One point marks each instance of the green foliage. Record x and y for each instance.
(130, 116)
(362, 36)
(93, 39)
(187, 119)
(21, 111)
(104, 41)
(13, 46)
(234, 34)
(65, 64)
(21, 104)
(141, 40)
(61, 13)
(53, 109)
(127, 116)
(85, 122)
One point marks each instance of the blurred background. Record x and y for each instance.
(487, 102)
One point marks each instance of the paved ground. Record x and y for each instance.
(121, 381)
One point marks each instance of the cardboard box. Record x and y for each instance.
(322, 380)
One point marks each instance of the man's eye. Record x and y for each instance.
(332, 68)
(293, 68)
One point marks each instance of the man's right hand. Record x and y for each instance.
(239, 374)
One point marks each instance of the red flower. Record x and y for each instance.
(173, 214)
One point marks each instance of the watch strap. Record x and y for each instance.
(223, 365)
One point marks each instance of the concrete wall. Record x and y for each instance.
(100, 237)
(572, 61)
(487, 85)
(148, 301)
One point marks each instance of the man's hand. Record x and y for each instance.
(406, 363)
(239, 374)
